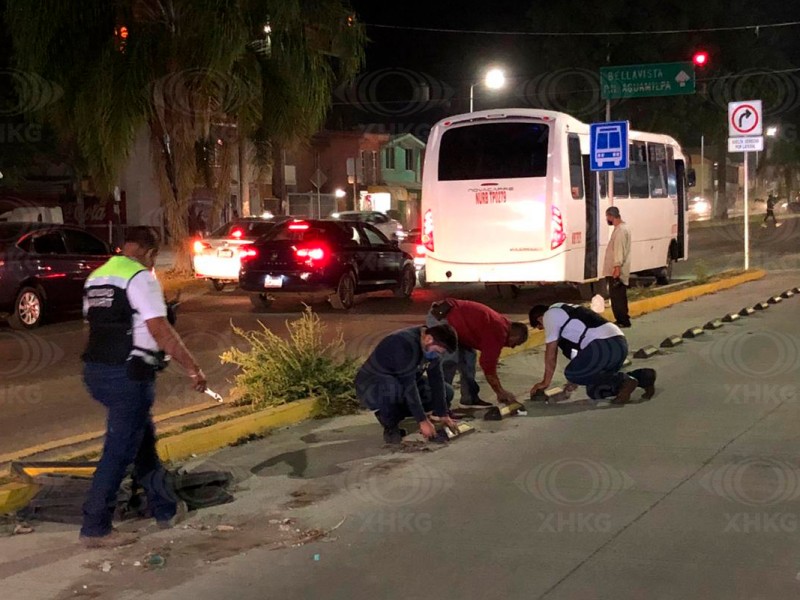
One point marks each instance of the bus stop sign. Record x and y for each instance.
(608, 146)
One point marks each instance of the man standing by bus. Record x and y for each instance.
(617, 266)
(479, 329)
(596, 350)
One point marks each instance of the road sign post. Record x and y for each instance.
(745, 128)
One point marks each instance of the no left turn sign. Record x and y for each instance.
(745, 118)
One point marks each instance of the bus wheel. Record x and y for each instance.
(507, 291)
(664, 275)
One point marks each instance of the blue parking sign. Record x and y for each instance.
(608, 146)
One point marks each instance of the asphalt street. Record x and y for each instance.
(692, 494)
(42, 397)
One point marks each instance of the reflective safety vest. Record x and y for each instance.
(587, 317)
(108, 311)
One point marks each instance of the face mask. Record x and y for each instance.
(431, 355)
(609, 222)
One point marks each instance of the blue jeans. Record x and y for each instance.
(598, 366)
(463, 361)
(130, 439)
(386, 398)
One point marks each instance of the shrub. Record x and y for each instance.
(274, 370)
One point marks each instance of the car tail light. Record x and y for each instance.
(247, 252)
(312, 256)
(298, 226)
(237, 233)
(421, 250)
(557, 235)
(427, 231)
(199, 246)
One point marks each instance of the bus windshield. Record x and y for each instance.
(494, 151)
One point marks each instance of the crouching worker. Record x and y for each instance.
(403, 378)
(596, 349)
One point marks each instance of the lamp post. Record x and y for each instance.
(495, 79)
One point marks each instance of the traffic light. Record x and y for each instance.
(700, 58)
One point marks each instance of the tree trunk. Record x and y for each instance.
(278, 177)
(244, 177)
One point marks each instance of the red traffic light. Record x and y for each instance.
(700, 59)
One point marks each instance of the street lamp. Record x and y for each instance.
(495, 79)
(772, 131)
(340, 193)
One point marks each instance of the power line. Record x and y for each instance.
(755, 28)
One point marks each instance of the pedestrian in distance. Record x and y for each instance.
(403, 378)
(596, 349)
(772, 200)
(479, 329)
(617, 266)
(130, 338)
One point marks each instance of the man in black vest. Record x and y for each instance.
(596, 350)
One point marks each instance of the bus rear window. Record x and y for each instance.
(494, 151)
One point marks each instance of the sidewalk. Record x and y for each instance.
(633, 518)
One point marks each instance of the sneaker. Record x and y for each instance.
(394, 435)
(625, 391)
(623, 324)
(115, 539)
(181, 513)
(476, 403)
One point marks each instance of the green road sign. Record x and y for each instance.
(640, 81)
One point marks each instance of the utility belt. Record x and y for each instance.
(144, 368)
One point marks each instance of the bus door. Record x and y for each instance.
(683, 239)
(592, 239)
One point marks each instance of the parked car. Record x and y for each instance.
(391, 228)
(414, 246)
(338, 258)
(216, 258)
(43, 267)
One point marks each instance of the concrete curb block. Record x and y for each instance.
(730, 318)
(761, 306)
(14, 496)
(746, 311)
(693, 332)
(787, 294)
(715, 324)
(774, 300)
(646, 352)
(672, 341)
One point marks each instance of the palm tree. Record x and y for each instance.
(181, 67)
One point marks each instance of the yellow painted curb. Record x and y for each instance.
(219, 435)
(14, 496)
(648, 305)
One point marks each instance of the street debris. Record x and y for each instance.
(226, 528)
(106, 566)
(155, 561)
(22, 529)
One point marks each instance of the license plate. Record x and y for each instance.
(227, 253)
(273, 282)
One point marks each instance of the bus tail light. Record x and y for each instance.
(557, 235)
(427, 231)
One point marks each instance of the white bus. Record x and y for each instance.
(508, 199)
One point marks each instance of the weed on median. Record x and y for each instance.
(274, 371)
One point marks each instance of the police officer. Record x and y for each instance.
(403, 378)
(129, 336)
(596, 350)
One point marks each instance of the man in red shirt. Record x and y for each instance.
(479, 329)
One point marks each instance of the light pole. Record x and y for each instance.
(771, 132)
(495, 79)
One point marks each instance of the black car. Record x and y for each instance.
(43, 267)
(337, 257)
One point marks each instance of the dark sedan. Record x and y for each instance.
(43, 268)
(339, 258)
